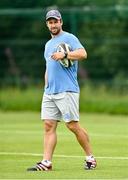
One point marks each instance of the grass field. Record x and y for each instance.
(21, 146)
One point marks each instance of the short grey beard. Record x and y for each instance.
(56, 32)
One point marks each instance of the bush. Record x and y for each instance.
(92, 99)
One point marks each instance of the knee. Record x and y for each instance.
(49, 127)
(73, 126)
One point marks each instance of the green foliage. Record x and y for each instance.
(101, 26)
(64, 3)
(93, 99)
(106, 46)
(103, 100)
(17, 99)
(24, 4)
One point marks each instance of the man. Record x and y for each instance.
(61, 96)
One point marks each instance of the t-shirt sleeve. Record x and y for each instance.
(74, 42)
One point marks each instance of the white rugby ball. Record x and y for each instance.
(64, 47)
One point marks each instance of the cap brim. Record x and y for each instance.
(54, 17)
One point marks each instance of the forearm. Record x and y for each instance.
(78, 54)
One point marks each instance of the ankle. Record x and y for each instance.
(46, 162)
(90, 157)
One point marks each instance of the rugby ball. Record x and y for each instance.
(64, 47)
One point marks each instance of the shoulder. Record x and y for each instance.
(47, 43)
(69, 35)
(73, 41)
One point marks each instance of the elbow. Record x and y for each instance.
(84, 54)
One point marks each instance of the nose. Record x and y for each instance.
(53, 25)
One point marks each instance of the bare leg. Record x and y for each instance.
(50, 138)
(81, 136)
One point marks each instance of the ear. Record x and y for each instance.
(61, 21)
(47, 23)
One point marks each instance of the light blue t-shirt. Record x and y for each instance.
(61, 79)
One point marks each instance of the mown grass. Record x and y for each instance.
(21, 132)
(96, 99)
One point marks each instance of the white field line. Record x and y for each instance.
(64, 134)
(61, 155)
(69, 179)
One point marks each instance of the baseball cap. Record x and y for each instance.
(53, 14)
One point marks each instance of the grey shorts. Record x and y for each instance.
(60, 106)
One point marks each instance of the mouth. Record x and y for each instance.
(53, 29)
